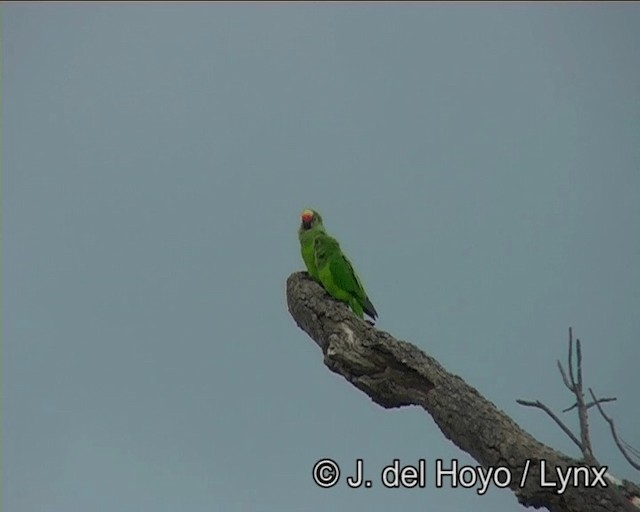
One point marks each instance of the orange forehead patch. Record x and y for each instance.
(307, 215)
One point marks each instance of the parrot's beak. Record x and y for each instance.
(307, 218)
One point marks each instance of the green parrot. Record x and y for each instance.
(338, 277)
(310, 226)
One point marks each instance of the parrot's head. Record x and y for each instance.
(310, 219)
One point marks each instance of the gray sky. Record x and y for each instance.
(479, 164)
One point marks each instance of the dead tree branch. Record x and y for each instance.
(576, 387)
(538, 404)
(619, 442)
(395, 373)
(591, 404)
(578, 390)
(629, 489)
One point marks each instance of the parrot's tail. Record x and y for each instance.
(368, 308)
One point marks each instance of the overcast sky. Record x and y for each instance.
(478, 163)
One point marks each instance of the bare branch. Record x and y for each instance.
(615, 434)
(591, 404)
(633, 450)
(573, 380)
(579, 357)
(564, 377)
(539, 405)
(583, 416)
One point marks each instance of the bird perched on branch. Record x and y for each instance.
(327, 264)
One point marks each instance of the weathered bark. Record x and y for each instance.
(395, 373)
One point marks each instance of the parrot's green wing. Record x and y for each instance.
(346, 278)
(339, 278)
(310, 226)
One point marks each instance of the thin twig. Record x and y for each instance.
(591, 404)
(573, 381)
(564, 376)
(538, 404)
(615, 434)
(579, 356)
(633, 450)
